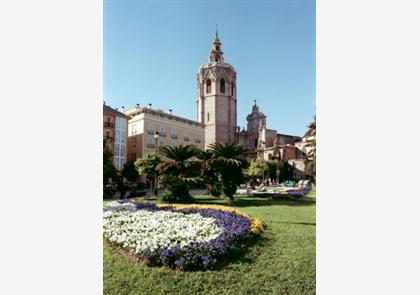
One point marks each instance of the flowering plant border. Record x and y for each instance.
(237, 229)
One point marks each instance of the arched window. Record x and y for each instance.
(222, 86)
(208, 86)
(208, 116)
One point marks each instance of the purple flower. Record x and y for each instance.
(201, 255)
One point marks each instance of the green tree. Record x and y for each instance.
(257, 168)
(108, 167)
(229, 163)
(177, 174)
(147, 165)
(309, 149)
(287, 172)
(208, 173)
(129, 171)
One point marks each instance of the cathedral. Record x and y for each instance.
(217, 111)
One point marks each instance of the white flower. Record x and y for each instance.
(140, 230)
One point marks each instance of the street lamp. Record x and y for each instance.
(277, 157)
(156, 138)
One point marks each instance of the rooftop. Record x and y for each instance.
(137, 110)
(109, 110)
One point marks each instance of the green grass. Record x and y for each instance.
(281, 262)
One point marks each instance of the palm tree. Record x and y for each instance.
(177, 174)
(310, 150)
(208, 173)
(229, 161)
(147, 165)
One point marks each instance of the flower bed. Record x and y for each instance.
(184, 237)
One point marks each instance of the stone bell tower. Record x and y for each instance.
(216, 97)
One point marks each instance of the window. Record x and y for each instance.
(162, 131)
(217, 47)
(133, 129)
(133, 141)
(133, 156)
(173, 132)
(208, 117)
(150, 129)
(222, 86)
(208, 86)
(231, 89)
(108, 135)
(217, 59)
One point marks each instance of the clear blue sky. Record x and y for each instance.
(153, 49)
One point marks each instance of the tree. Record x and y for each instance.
(309, 151)
(208, 173)
(258, 167)
(129, 171)
(287, 172)
(229, 162)
(177, 174)
(147, 165)
(109, 170)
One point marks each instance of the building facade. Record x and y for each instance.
(173, 131)
(115, 126)
(216, 97)
(261, 141)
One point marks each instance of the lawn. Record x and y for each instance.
(281, 262)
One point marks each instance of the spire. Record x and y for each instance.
(216, 53)
(255, 107)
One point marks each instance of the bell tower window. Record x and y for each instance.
(208, 86)
(222, 86)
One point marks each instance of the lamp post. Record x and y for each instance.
(156, 138)
(277, 158)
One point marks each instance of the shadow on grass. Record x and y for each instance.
(234, 256)
(240, 256)
(257, 202)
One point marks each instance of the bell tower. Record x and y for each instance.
(216, 97)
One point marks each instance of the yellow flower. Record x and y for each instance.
(257, 225)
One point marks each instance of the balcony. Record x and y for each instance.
(163, 134)
(150, 131)
(108, 125)
(186, 138)
(151, 145)
(174, 136)
(197, 141)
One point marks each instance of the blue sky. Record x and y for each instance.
(153, 49)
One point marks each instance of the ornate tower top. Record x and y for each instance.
(216, 53)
